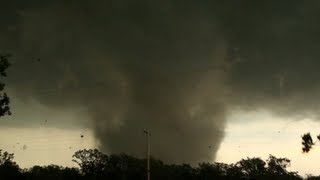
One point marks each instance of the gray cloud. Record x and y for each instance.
(177, 68)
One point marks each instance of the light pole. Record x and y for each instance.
(147, 132)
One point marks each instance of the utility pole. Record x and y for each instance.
(147, 132)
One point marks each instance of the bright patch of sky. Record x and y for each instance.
(44, 146)
(258, 134)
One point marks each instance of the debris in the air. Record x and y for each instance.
(24, 147)
(318, 137)
(69, 147)
(307, 142)
(81, 135)
(209, 146)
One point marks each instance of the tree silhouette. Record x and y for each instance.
(212, 171)
(277, 167)
(252, 167)
(122, 166)
(91, 162)
(312, 177)
(96, 165)
(8, 168)
(52, 172)
(4, 99)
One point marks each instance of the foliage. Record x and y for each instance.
(53, 172)
(91, 161)
(252, 167)
(96, 165)
(8, 168)
(122, 166)
(277, 166)
(312, 177)
(4, 99)
(212, 171)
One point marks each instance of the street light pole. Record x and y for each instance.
(147, 132)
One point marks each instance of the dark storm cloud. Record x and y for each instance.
(176, 68)
(279, 58)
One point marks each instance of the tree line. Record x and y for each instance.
(93, 164)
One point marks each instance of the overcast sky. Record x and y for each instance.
(238, 76)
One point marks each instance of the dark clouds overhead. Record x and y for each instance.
(175, 67)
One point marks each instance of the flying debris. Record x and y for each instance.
(210, 147)
(81, 135)
(307, 142)
(318, 137)
(24, 147)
